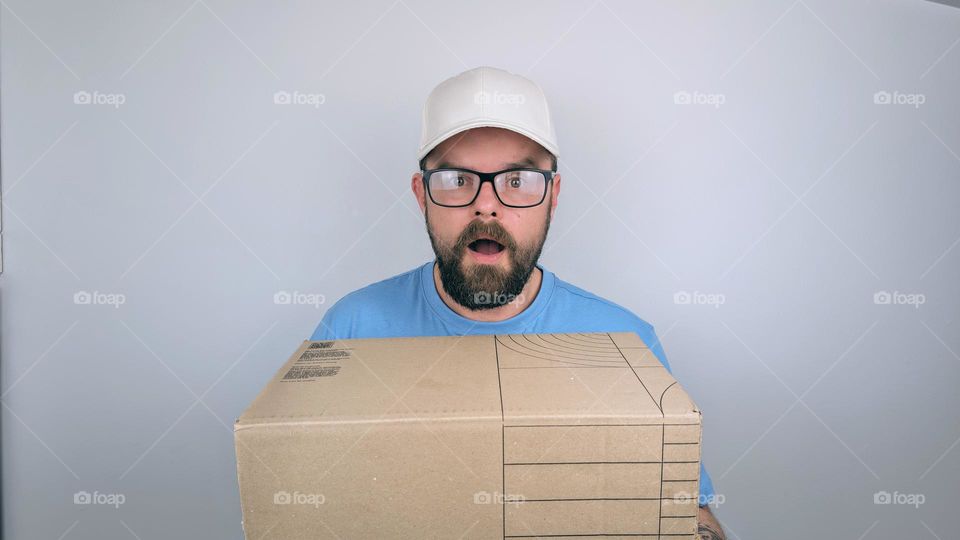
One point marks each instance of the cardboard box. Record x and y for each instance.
(484, 436)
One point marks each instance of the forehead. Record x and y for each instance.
(489, 149)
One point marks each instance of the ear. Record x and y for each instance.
(555, 194)
(416, 184)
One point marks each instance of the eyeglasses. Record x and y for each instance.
(516, 188)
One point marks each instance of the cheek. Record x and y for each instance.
(447, 225)
(525, 228)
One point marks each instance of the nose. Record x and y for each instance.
(486, 201)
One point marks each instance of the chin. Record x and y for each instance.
(503, 263)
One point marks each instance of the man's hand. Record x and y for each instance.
(708, 528)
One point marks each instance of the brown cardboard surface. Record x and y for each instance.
(576, 435)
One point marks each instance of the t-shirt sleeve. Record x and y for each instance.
(707, 494)
(322, 332)
(333, 325)
(649, 337)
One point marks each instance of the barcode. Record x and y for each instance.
(308, 372)
(316, 355)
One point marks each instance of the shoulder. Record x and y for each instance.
(380, 294)
(374, 303)
(590, 312)
(593, 306)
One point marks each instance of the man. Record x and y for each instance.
(488, 188)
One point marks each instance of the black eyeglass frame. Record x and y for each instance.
(487, 177)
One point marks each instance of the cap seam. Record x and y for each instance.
(483, 106)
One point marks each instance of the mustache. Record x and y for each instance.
(479, 229)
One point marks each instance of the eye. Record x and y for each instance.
(514, 180)
(451, 180)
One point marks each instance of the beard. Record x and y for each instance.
(485, 286)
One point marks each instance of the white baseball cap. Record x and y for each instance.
(486, 97)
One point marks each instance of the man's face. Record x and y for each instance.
(484, 274)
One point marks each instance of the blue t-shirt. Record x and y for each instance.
(408, 305)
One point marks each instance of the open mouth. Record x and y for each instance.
(486, 246)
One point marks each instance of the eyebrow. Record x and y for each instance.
(525, 162)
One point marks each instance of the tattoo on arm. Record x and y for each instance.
(705, 532)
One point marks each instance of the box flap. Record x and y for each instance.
(514, 378)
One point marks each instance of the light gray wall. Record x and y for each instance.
(794, 201)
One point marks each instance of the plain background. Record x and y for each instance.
(783, 200)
